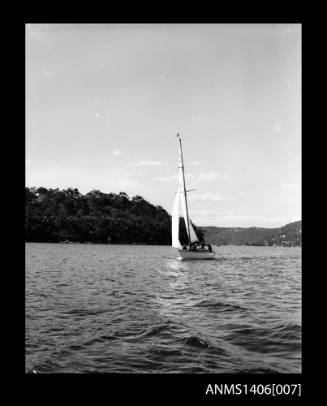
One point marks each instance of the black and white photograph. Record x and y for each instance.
(163, 219)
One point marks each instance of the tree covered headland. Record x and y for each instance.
(53, 215)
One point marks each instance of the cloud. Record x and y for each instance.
(277, 127)
(208, 197)
(116, 152)
(210, 176)
(28, 162)
(195, 179)
(166, 179)
(147, 163)
(193, 163)
(173, 178)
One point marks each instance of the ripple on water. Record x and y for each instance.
(137, 309)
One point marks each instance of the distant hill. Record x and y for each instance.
(288, 235)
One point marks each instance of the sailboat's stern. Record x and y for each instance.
(198, 254)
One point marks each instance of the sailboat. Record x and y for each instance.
(194, 249)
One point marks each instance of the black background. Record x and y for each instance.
(115, 388)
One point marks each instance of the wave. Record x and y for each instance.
(96, 340)
(155, 330)
(46, 366)
(288, 330)
(32, 371)
(140, 313)
(195, 341)
(162, 351)
(267, 340)
(84, 312)
(219, 305)
(255, 371)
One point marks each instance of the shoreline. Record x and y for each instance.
(158, 245)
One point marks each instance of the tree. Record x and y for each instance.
(57, 215)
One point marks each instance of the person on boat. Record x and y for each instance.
(184, 248)
(192, 247)
(202, 244)
(209, 248)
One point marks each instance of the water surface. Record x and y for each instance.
(138, 309)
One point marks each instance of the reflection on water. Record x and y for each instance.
(178, 265)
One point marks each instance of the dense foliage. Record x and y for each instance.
(289, 235)
(54, 215)
(60, 215)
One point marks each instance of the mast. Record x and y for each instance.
(187, 217)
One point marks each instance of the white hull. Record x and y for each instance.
(196, 254)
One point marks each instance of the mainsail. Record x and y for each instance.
(175, 222)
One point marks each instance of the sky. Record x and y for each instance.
(104, 103)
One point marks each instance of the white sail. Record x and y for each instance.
(193, 235)
(175, 222)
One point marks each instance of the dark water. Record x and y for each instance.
(137, 309)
